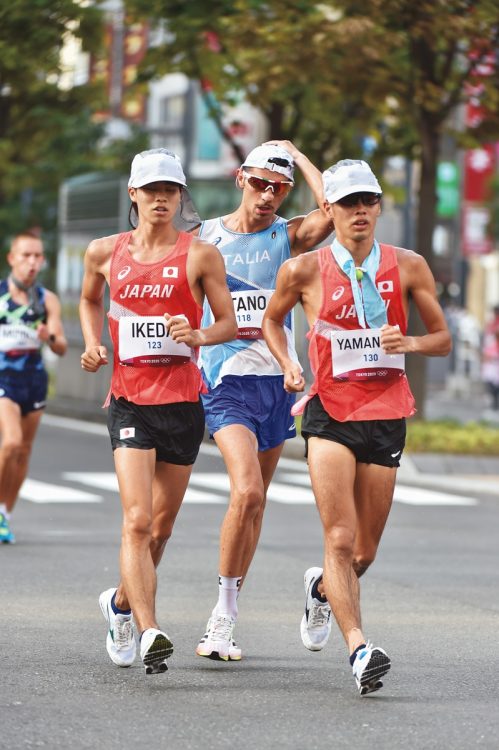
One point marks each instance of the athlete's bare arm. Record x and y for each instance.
(308, 230)
(52, 332)
(296, 282)
(96, 274)
(206, 275)
(417, 282)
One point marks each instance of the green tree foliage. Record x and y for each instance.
(328, 74)
(46, 130)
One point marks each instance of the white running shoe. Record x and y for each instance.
(217, 642)
(120, 641)
(316, 622)
(370, 665)
(155, 648)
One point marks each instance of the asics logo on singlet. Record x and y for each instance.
(338, 293)
(124, 272)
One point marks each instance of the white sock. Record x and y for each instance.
(228, 589)
(3, 509)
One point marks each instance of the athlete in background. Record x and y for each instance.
(30, 316)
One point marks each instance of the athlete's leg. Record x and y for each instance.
(268, 462)
(18, 434)
(374, 486)
(243, 519)
(135, 471)
(332, 471)
(168, 489)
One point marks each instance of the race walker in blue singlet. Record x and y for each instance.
(29, 318)
(247, 409)
(251, 261)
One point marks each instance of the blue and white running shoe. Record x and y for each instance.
(6, 533)
(370, 665)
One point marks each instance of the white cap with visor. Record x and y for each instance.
(275, 158)
(161, 165)
(349, 176)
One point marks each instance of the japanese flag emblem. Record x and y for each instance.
(127, 432)
(385, 286)
(170, 272)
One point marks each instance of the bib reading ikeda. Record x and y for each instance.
(145, 340)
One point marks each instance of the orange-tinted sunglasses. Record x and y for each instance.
(261, 184)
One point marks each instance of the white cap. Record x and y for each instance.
(156, 165)
(275, 158)
(349, 176)
(161, 165)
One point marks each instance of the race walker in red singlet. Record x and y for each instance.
(354, 378)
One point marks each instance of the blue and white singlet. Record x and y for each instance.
(252, 261)
(19, 343)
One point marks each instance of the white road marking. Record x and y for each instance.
(214, 487)
(411, 495)
(107, 480)
(419, 496)
(43, 492)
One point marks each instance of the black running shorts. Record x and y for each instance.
(377, 441)
(175, 431)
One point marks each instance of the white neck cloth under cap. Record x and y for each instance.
(349, 176)
(274, 158)
(161, 165)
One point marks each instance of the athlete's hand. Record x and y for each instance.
(42, 332)
(94, 357)
(294, 382)
(181, 331)
(393, 342)
(286, 145)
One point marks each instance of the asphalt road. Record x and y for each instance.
(430, 599)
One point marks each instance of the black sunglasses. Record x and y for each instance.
(367, 199)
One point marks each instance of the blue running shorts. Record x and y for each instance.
(28, 389)
(259, 402)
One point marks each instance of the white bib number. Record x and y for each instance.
(357, 355)
(249, 307)
(145, 340)
(18, 337)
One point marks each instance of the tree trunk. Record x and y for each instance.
(276, 116)
(430, 140)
